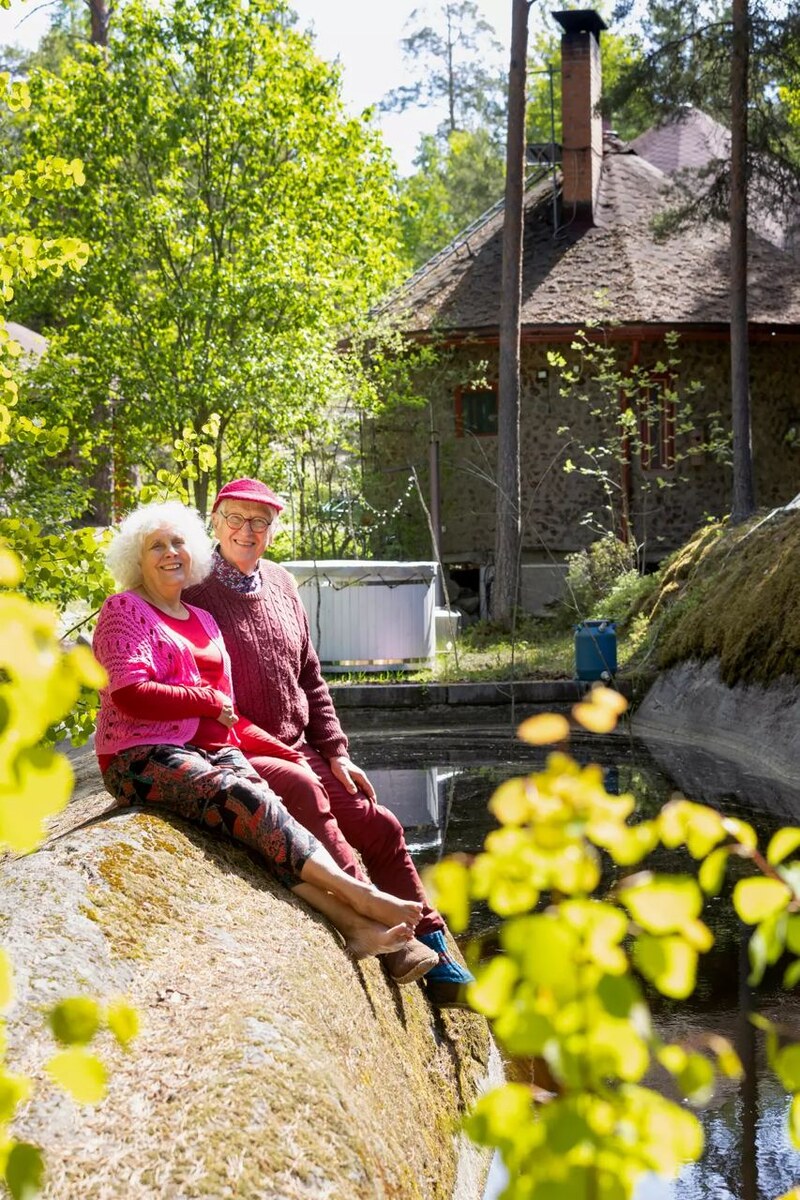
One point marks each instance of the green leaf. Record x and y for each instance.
(493, 987)
(743, 833)
(123, 1021)
(698, 827)
(24, 1171)
(790, 874)
(448, 882)
(757, 898)
(672, 1058)
(13, 1090)
(523, 1032)
(603, 927)
(496, 1115)
(75, 1021)
(44, 784)
(668, 1136)
(704, 828)
(786, 1066)
(6, 981)
(794, 1133)
(614, 1049)
(545, 948)
(619, 994)
(728, 1060)
(782, 844)
(696, 1079)
(80, 1074)
(670, 963)
(712, 871)
(566, 1128)
(663, 904)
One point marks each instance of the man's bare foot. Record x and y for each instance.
(372, 938)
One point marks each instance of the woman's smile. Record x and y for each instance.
(166, 563)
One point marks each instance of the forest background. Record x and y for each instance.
(241, 226)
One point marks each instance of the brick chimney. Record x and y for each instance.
(582, 125)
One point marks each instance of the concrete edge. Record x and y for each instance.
(474, 1162)
(432, 695)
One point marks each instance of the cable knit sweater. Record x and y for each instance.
(134, 646)
(276, 672)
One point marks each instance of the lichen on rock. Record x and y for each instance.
(270, 1064)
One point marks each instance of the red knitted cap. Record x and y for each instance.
(248, 489)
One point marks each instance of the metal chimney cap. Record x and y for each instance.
(580, 20)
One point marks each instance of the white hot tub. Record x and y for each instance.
(369, 616)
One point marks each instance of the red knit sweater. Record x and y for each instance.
(276, 673)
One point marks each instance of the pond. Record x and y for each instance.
(439, 781)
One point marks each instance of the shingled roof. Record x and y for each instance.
(616, 266)
(688, 142)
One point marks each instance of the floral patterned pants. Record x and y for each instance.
(219, 790)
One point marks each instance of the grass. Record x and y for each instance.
(486, 652)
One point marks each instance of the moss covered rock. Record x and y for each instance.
(269, 1065)
(726, 617)
(732, 594)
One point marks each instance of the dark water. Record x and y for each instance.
(439, 781)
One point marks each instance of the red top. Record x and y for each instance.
(150, 699)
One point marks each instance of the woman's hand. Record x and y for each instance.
(226, 715)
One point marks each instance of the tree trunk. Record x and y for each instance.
(743, 503)
(451, 82)
(100, 15)
(509, 527)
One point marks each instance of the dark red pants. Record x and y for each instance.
(342, 822)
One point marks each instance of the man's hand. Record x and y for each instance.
(351, 776)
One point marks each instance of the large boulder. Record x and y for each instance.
(757, 728)
(270, 1064)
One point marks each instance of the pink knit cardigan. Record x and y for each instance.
(135, 645)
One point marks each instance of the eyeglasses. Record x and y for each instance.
(237, 521)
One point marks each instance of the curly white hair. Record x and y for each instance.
(124, 557)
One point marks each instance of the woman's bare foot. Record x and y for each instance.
(372, 938)
(388, 910)
(322, 872)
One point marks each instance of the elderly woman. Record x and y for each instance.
(168, 732)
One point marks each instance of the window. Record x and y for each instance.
(656, 405)
(476, 411)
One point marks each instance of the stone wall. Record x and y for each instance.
(553, 429)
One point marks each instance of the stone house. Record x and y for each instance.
(591, 256)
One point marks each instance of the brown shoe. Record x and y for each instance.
(411, 962)
(442, 993)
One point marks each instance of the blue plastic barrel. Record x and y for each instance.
(596, 650)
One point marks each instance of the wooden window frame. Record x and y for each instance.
(460, 393)
(657, 436)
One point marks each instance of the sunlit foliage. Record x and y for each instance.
(580, 942)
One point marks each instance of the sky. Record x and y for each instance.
(363, 34)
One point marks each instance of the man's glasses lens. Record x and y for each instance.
(236, 521)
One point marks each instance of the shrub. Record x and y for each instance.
(593, 573)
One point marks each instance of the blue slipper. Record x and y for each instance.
(447, 969)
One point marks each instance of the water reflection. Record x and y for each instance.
(439, 783)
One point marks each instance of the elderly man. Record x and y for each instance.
(279, 687)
